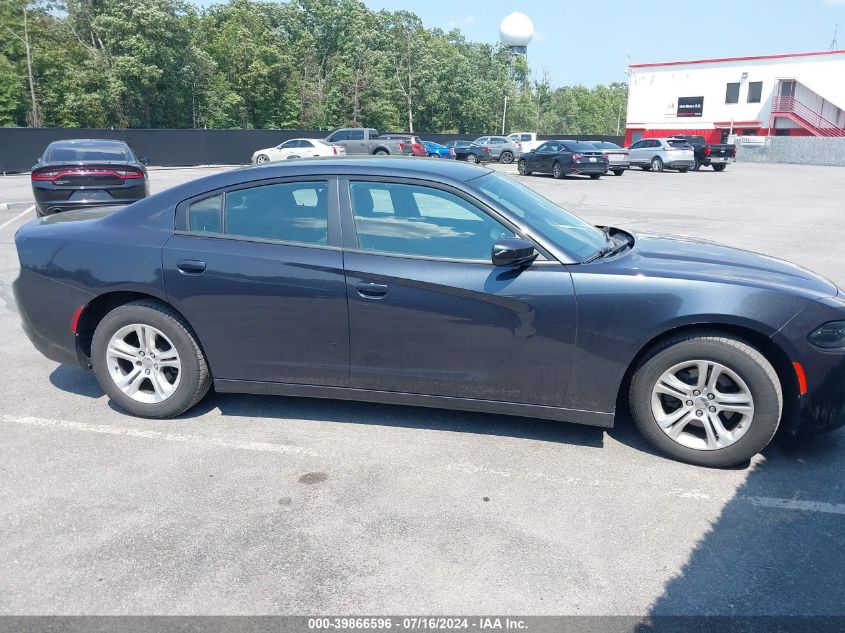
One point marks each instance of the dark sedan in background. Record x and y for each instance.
(469, 151)
(432, 283)
(564, 158)
(87, 173)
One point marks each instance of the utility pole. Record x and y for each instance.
(504, 114)
(35, 119)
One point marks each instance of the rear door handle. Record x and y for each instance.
(370, 290)
(191, 266)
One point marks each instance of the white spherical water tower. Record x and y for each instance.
(516, 32)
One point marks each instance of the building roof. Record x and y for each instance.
(738, 59)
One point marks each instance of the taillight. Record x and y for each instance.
(55, 174)
(401, 147)
(707, 150)
(577, 156)
(417, 147)
(733, 152)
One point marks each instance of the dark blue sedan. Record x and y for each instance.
(564, 158)
(432, 283)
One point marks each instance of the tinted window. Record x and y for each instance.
(638, 145)
(732, 93)
(422, 221)
(341, 135)
(544, 147)
(605, 145)
(373, 132)
(755, 91)
(356, 135)
(292, 212)
(525, 137)
(205, 215)
(680, 143)
(482, 140)
(581, 147)
(568, 231)
(304, 143)
(289, 144)
(87, 151)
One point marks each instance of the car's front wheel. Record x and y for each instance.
(707, 399)
(147, 359)
(522, 167)
(261, 159)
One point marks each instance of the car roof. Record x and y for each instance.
(89, 142)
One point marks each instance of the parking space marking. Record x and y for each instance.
(797, 504)
(17, 217)
(263, 447)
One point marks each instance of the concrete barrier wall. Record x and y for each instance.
(807, 150)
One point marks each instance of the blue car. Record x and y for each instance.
(437, 284)
(435, 150)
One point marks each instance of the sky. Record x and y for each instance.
(591, 41)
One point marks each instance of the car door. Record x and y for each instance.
(342, 138)
(635, 152)
(428, 311)
(358, 142)
(544, 155)
(258, 272)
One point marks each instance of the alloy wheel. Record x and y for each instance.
(702, 405)
(262, 159)
(143, 363)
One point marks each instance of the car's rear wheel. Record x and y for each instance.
(381, 152)
(434, 155)
(683, 170)
(262, 158)
(595, 176)
(657, 163)
(506, 157)
(719, 167)
(696, 165)
(707, 399)
(618, 172)
(522, 167)
(557, 170)
(645, 167)
(472, 158)
(147, 359)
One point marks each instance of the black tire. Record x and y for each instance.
(472, 158)
(595, 176)
(434, 155)
(618, 172)
(381, 152)
(506, 157)
(734, 353)
(719, 167)
(683, 170)
(195, 379)
(557, 171)
(261, 159)
(696, 165)
(522, 167)
(657, 163)
(645, 167)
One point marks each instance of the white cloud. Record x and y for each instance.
(466, 21)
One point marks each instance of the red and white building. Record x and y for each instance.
(768, 95)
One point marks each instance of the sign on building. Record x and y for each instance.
(690, 106)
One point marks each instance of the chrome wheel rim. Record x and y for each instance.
(521, 167)
(655, 164)
(507, 158)
(262, 159)
(557, 171)
(471, 158)
(143, 363)
(702, 405)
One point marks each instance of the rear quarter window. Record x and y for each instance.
(205, 215)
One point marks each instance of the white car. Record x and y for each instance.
(297, 148)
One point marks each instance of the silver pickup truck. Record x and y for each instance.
(364, 140)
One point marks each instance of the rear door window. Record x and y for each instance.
(289, 212)
(205, 215)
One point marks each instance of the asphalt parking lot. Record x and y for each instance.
(256, 505)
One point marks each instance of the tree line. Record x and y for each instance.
(309, 64)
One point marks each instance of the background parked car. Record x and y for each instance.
(563, 158)
(469, 151)
(297, 148)
(414, 143)
(717, 155)
(659, 153)
(436, 150)
(502, 148)
(87, 173)
(528, 141)
(617, 157)
(360, 140)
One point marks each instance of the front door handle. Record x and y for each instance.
(370, 290)
(191, 266)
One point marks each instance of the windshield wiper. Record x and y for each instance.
(612, 248)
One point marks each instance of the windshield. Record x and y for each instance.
(87, 152)
(571, 233)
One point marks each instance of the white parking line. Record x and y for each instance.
(263, 447)
(17, 217)
(796, 504)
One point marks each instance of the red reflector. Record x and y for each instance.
(802, 377)
(74, 320)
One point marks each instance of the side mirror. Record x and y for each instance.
(144, 160)
(513, 251)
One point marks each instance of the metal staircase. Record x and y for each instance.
(805, 116)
